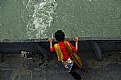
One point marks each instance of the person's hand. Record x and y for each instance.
(76, 39)
(50, 39)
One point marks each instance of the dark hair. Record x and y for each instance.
(59, 35)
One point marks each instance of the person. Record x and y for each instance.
(64, 53)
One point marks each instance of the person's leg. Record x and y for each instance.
(74, 73)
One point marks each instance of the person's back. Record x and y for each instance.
(62, 53)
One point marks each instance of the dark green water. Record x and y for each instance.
(39, 19)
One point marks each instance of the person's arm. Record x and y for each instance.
(51, 40)
(51, 46)
(74, 49)
(76, 42)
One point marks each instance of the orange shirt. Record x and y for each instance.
(64, 50)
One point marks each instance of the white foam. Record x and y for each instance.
(41, 18)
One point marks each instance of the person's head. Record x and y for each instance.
(59, 35)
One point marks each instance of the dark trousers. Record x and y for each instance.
(74, 73)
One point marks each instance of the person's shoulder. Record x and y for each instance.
(68, 42)
(55, 44)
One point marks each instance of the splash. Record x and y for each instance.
(41, 17)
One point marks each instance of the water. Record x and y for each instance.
(39, 19)
(26, 19)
